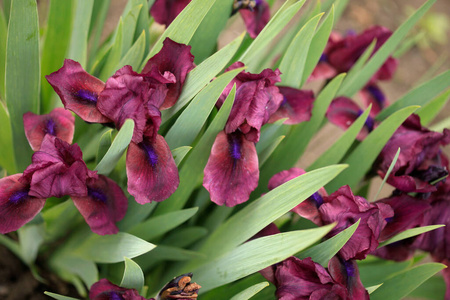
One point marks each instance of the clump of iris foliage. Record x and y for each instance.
(155, 165)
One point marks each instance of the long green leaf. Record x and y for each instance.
(133, 277)
(179, 153)
(114, 55)
(362, 158)
(260, 213)
(429, 111)
(3, 36)
(191, 172)
(256, 255)
(383, 53)
(103, 145)
(409, 233)
(59, 297)
(335, 153)
(374, 270)
(250, 292)
(135, 54)
(324, 251)
(118, 147)
(159, 225)
(202, 75)
(386, 176)
(80, 32)
(112, 248)
(421, 95)
(186, 128)
(22, 81)
(7, 160)
(401, 285)
(184, 26)
(55, 47)
(292, 147)
(129, 27)
(295, 57)
(31, 237)
(98, 20)
(184, 237)
(84, 268)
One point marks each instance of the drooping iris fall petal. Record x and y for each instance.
(173, 61)
(17, 207)
(165, 11)
(151, 170)
(256, 18)
(232, 171)
(78, 91)
(105, 290)
(104, 205)
(345, 208)
(59, 122)
(57, 169)
(296, 106)
(347, 274)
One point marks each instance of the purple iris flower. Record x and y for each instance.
(420, 162)
(78, 90)
(296, 106)
(345, 208)
(57, 169)
(17, 206)
(346, 273)
(232, 171)
(59, 122)
(256, 17)
(105, 290)
(165, 11)
(308, 209)
(372, 94)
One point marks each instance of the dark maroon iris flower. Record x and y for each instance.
(308, 209)
(346, 273)
(57, 169)
(296, 106)
(170, 67)
(420, 162)
(151, 170)
(105, 290)
(372, 94)
(256, 17)
(165, 11)
(59, 122)
(343, 112)
(232, 171)
(17, 207)
(104, 205)
(257, 98)
(78, 90)
(345, 208)
(297, 279)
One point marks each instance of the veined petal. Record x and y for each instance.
(59, 122)
(78, 91)
(232, 171)
(151, 170)
(296, 106)
(257, 18)
(17, 207)
(104, 205)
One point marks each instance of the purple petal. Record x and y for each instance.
(372, 94)
(323, 70)
(78, 91)
(176, 59)
(232, 171)
(59, 122)
(257, 18)
(165, 11)
(105, 290)
(151, 170)
(347, 274)
(17, 207)
(104, 205)
(296, 106)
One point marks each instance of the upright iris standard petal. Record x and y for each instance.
(151, 170)
(298, 279)
(59, 122)
(127, 96)
(57, 169)
(296, 106)
(345, 208)
(105, 290)
(17, 207)
(173, 59)
(165, 11)
(104, 205)
(78, 91)
(346, 273)
(343, 112)
(308, 209)
(232, 172)
(256, 18)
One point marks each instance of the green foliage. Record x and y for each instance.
(133, 277)
(250, 292)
